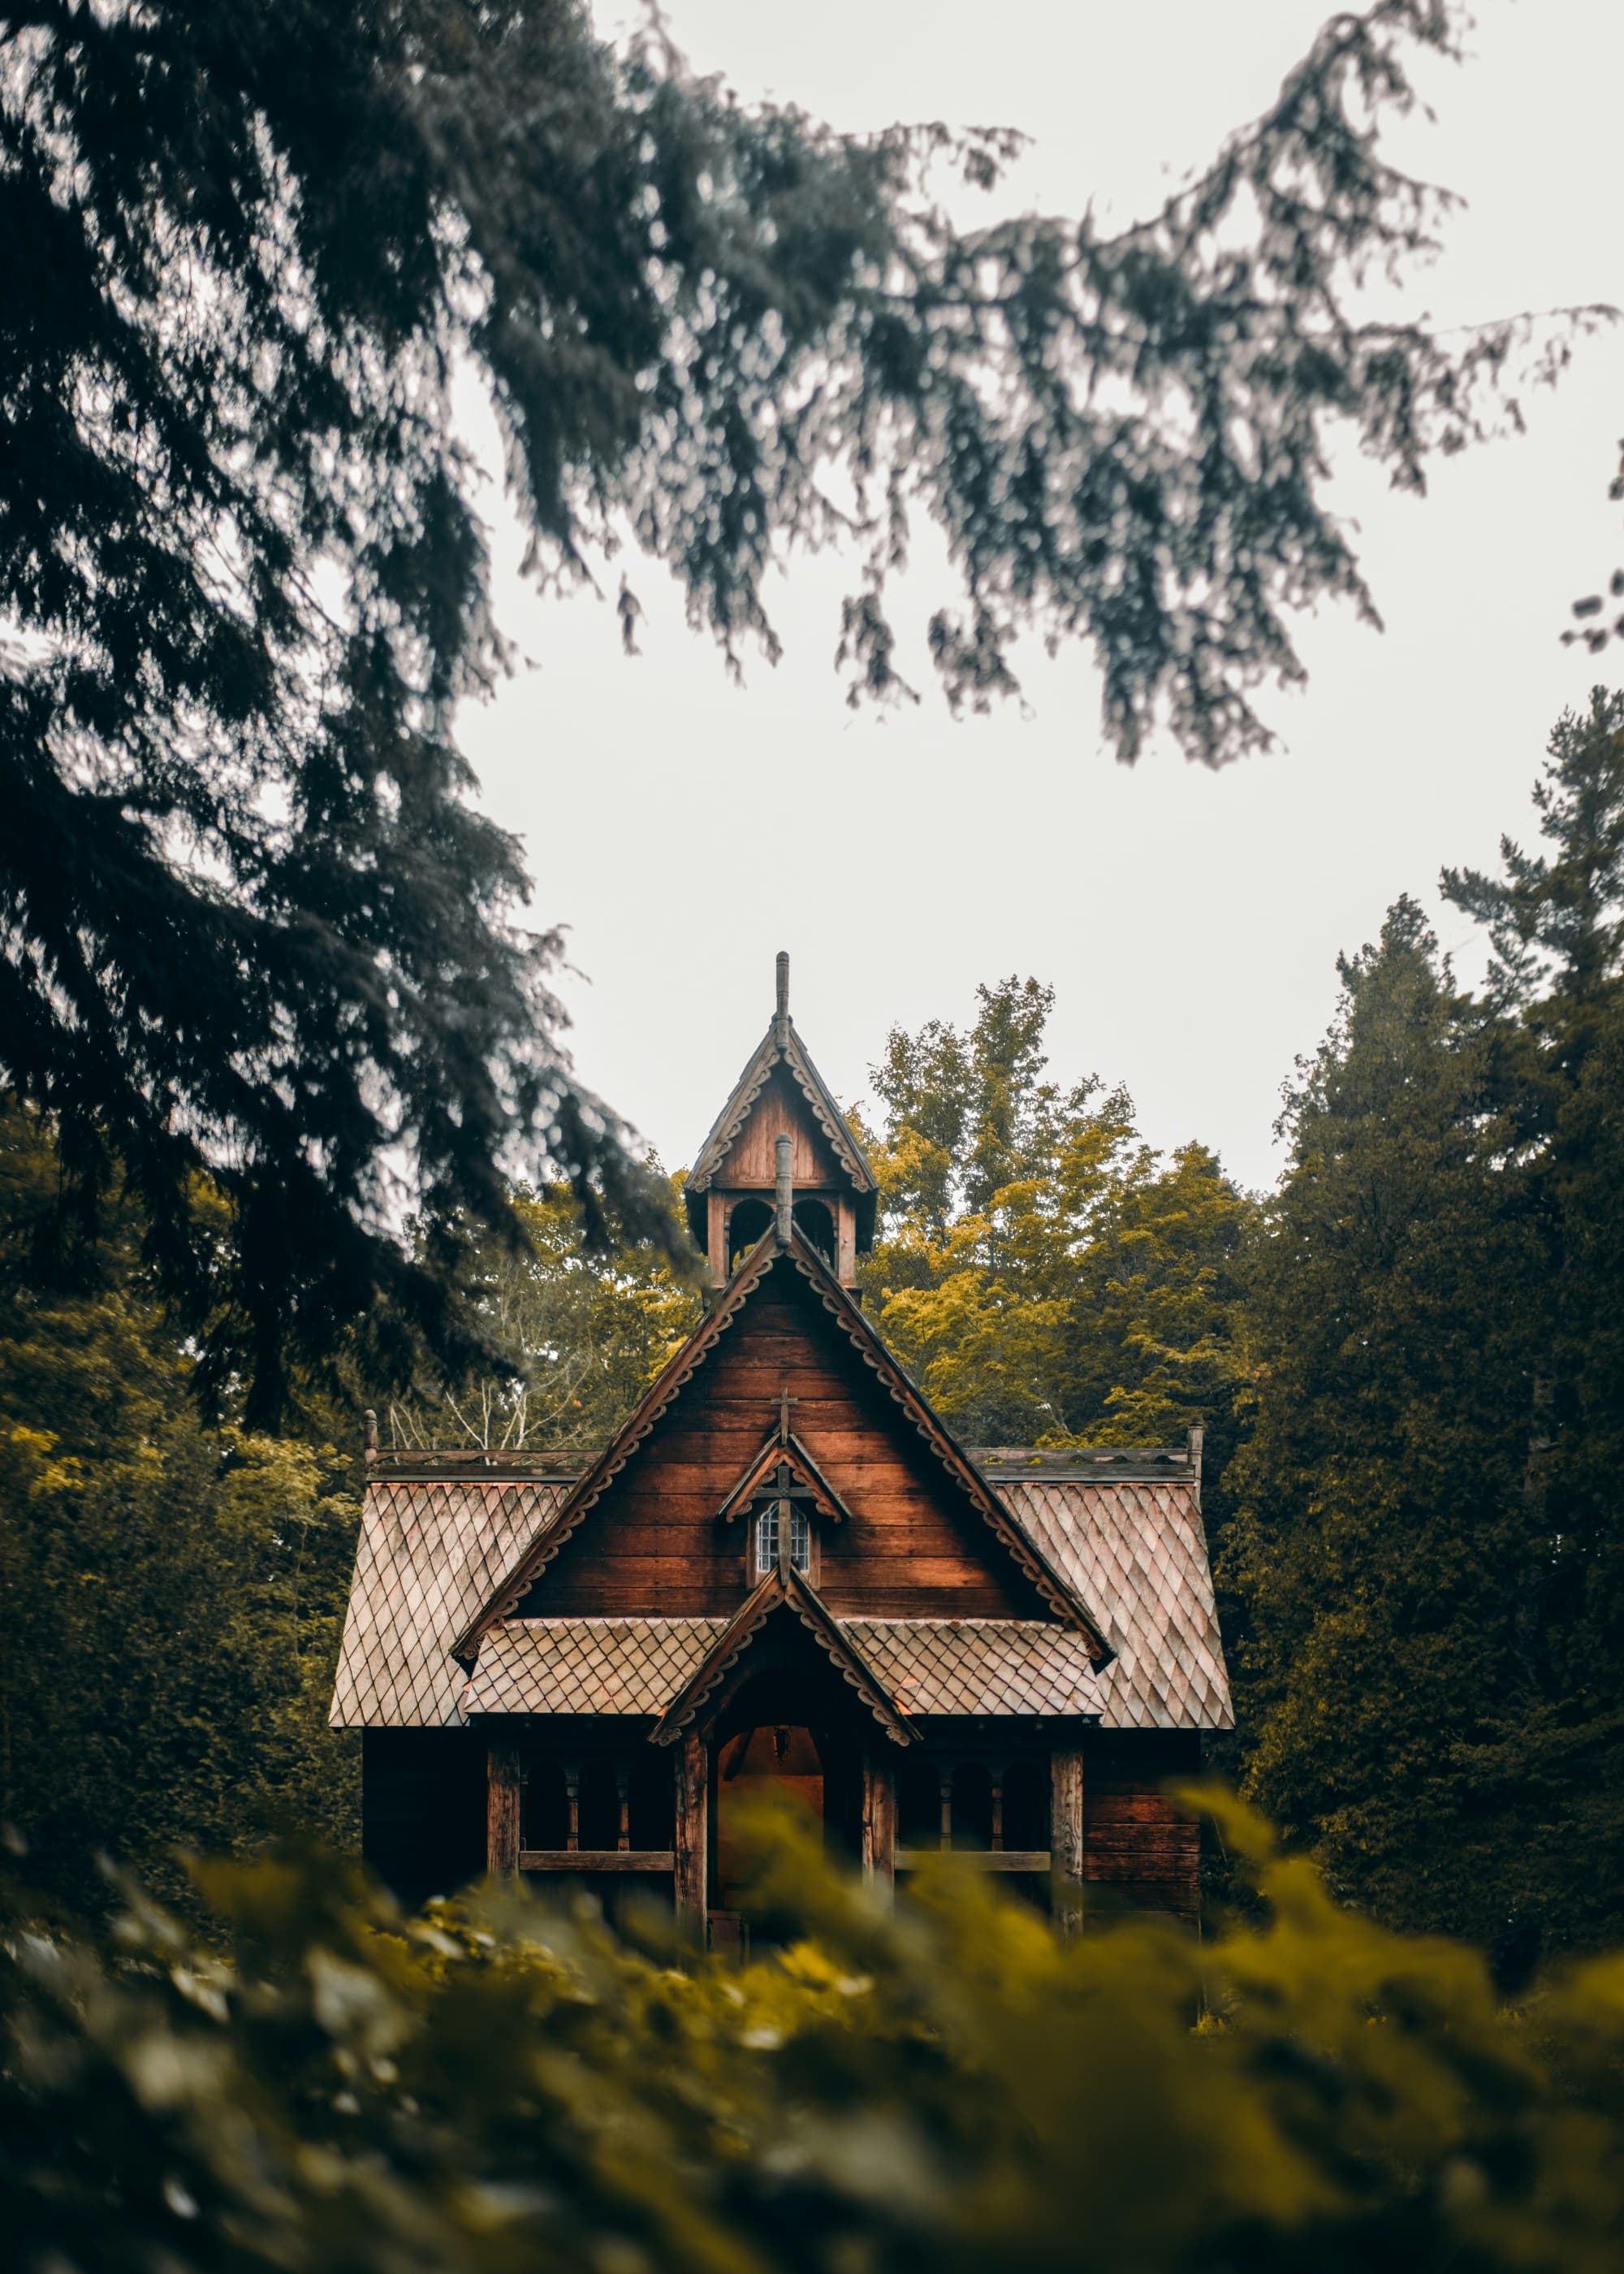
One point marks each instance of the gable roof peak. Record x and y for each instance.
(799, 1254)
(781, 1047)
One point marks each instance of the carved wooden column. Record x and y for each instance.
(879, 1822)
(846, 1241)
(692, 1832)
(1065, 1838)
(501, 1807)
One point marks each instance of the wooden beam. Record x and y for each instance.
(691, 1856)
(596, 1859)
(978, 1859)
(501, 1807)
(1065, 1837)
(716, 1242)
(879, 1823)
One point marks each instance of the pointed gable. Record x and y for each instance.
(644, 1533)
(785, 1592)
(781, 1093)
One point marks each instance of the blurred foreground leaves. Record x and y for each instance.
(500, 2084)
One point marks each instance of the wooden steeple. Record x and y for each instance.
(781, 1117)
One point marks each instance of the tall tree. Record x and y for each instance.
(1382, 1535)
(252, 923)
(1049, 1277)
(1430, 1538)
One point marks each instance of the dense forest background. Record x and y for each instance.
(1408, 1361)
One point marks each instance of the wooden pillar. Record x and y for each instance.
(1065, 1838)
(692, 1832)
(716, 1236)
(846, 1241)
(623, 1787)
(501, 1807)
(879, 1823)
(946, 1783)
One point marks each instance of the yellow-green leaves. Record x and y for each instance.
(1046, 1276)
(506, 2086)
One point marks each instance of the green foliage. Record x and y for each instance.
(1048, 1277)
(1430, 1544)
(501, 2085)
(581, 1334)
(252, 920)
(173, 1591)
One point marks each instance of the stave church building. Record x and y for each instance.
(784, 1570)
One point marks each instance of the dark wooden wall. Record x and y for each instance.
(653, 1543)
(1139, 1851)
(423, 1809)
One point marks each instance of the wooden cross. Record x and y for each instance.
(785, 1402)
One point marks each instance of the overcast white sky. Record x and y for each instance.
(1188, 921)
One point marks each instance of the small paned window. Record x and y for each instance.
(767, 1535)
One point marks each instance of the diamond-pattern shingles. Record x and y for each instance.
(1136, 1556)
(587, 1665)
(979, 1665)
(430, 1555)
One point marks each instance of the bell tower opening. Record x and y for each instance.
(747, 1220)
(815, 1219)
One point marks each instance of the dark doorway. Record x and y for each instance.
(773, 1757)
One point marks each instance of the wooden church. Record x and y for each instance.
(784, 1570)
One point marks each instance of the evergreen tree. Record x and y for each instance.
(1383, 1535)
(253, 925)
(1429, 1540)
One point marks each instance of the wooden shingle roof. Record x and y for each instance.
(640, 1667)
(1137, 1548)
(433, 1549)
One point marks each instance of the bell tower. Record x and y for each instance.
(780, 1146)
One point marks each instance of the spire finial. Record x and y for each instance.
(784, 1156)
(783, 977)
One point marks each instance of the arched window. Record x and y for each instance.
(769, 1531)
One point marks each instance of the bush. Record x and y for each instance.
(501, 2085)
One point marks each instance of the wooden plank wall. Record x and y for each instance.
(753, 1159)
(653, 1543)
(1140, 1850)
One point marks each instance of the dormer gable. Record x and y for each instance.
(731, 1189)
